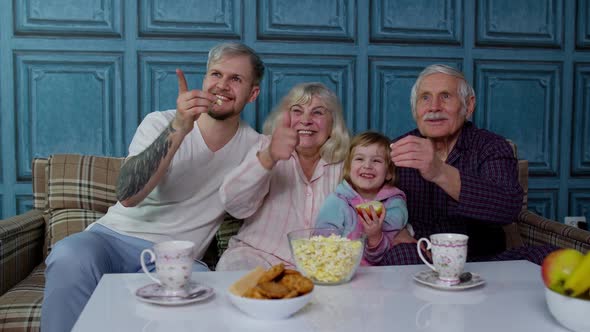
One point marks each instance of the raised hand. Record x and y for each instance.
(372, 225)
(284, 140)
(418, 153)
(190, 104)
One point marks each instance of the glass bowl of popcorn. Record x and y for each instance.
(325, 256)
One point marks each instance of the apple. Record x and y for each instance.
(377, 206)
(558, 266)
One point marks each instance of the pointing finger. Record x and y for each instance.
(182, 86)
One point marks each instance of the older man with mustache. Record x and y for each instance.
(457, 178)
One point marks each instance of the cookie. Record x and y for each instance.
(297, 283)
(289, 271)
(272, 273)
(254, 293)
(273, 290)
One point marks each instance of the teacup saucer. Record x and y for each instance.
(154, 293)
(430, 278)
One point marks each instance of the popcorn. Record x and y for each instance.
(327, 259)
(219, 101)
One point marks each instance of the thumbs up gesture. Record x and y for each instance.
(190, 104)
(284, 140)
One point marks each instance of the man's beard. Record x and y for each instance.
(218, 116)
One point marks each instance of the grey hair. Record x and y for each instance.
(238, 49)
(465, 90)
(336, 147)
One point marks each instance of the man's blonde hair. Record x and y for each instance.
(238, 49)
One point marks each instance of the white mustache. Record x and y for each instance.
(434, 116)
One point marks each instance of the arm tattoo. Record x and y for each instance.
(137, 171)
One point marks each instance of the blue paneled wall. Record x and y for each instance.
(79, 75)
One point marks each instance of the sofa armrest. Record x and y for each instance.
(21, 247)
(537, 230)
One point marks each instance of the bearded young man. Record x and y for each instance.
(167, 187)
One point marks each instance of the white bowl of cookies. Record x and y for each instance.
(273, 294)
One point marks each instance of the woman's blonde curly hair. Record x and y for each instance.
(335, 148)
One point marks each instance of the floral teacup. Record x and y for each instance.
(174, 264)
(449, 252)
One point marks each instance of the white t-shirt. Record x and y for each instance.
(185, 205)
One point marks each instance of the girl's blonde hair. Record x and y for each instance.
(335, 148)
(365, 139)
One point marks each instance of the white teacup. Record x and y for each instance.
(449, 252)
(174, 265)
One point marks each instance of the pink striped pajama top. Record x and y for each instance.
(273, 203)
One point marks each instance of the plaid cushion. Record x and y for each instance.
(533, 254)
(523, 173)
(228, 228)
(523, 179)
(512, 235)
(40, 183)
(511, 231)
(21, 243)
(537, 230)
(20, 308)
(61, 223)
(82, 182)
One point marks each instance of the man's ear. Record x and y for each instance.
(254, 93)
(470, 107)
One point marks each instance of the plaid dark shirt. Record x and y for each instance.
(490, 192)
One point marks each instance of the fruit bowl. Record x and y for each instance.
(569, 311)
(325, 256)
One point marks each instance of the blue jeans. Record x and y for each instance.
(76, 264)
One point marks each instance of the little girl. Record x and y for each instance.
(368, 175)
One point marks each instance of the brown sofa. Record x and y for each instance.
(71, 191)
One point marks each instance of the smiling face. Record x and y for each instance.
(313, 122)
(369, 169)
(231, 80)
(440, 113)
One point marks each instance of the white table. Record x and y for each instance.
(377, 299)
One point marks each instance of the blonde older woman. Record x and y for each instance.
(284, 180)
